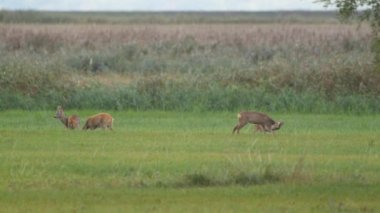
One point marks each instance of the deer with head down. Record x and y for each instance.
(101, 120)
(70, 122)
(263, 122)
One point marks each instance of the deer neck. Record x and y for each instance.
(64, 120)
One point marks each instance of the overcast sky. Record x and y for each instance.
(159, 5)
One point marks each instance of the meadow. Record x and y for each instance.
(186, 161)
(174, 83)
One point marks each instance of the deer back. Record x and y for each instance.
(102, 120)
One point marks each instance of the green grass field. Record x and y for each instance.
(189, 162)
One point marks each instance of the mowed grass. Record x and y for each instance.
(189, 162)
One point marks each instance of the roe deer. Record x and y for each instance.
(70, 122)
(102, 120)
(263, 122)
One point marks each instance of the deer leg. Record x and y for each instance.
(233, 131)
(238, 127)
(259, 128)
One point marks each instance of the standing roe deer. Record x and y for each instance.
(263, 122)
(102, 120)
(70, 122)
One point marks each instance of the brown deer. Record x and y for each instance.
(102, 120)
(70, 122)
(263, 122)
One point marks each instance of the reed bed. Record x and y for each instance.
(202, 66)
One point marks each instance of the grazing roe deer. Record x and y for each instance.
(70, 122)
(263, 122)
(102, 120)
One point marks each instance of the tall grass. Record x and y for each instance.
(274, 67)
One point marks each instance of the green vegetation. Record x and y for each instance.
(170, 161)
(322, 67)
(174, 83)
